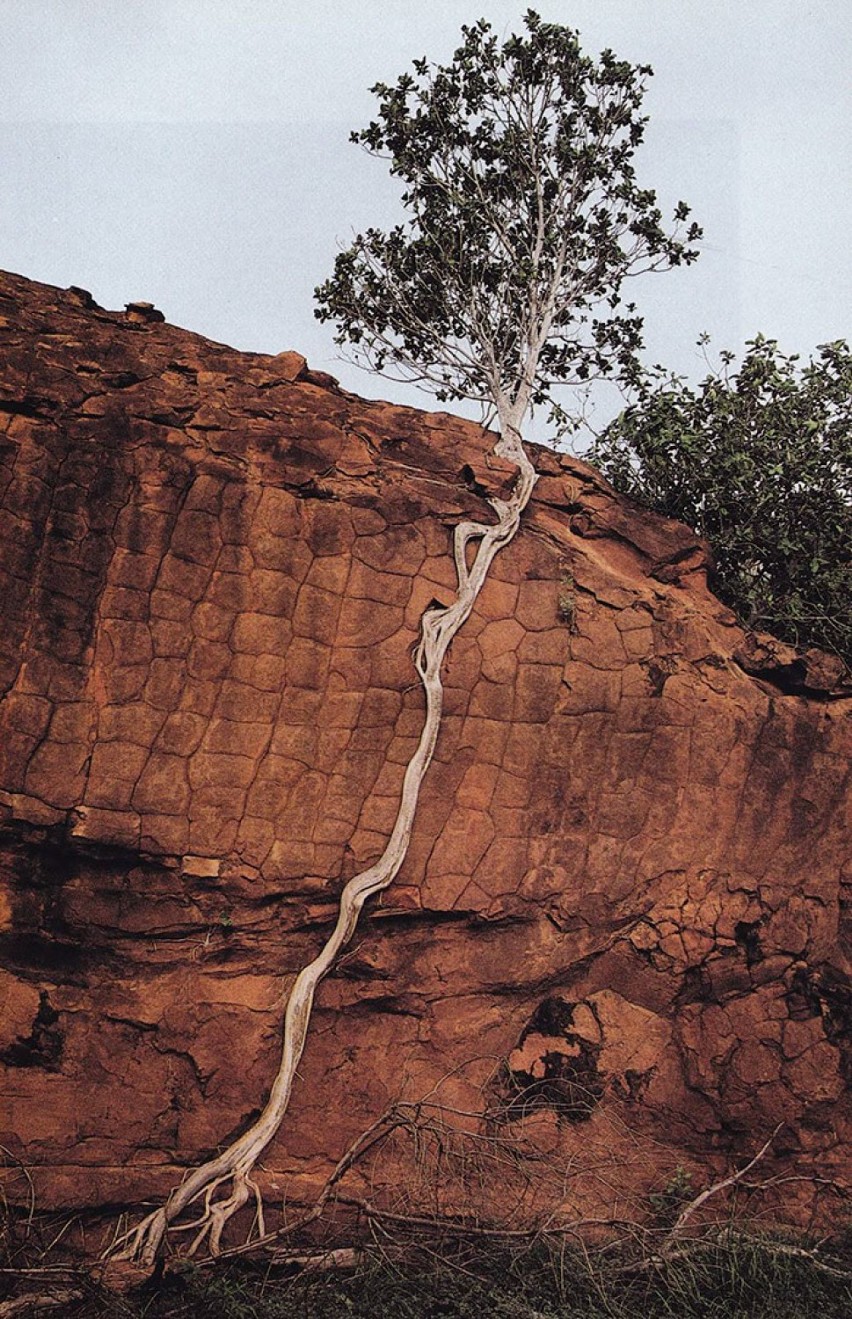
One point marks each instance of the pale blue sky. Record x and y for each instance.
(194, 153)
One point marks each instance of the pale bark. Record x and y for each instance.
(232, 1169)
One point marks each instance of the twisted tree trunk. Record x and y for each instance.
(232, 1169)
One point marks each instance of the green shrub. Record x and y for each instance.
(760, 463)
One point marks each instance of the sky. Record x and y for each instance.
(195, 154)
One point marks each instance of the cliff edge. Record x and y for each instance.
(619, 930)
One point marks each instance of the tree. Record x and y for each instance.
(525, 218)
(760, 462)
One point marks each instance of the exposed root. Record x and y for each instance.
(233, 1167)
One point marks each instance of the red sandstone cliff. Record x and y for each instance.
(619, 925)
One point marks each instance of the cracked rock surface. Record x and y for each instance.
(620, 923)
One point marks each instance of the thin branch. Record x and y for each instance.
(687, 1213)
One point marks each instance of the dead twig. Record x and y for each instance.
(687, 1212)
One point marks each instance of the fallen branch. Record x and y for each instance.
(466, 1227)
(32, 1302)
(689, 1249)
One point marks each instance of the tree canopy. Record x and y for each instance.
(524, 219)
(759, 461)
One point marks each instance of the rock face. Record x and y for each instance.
(620, 923)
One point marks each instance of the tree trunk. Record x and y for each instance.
(232, 1169)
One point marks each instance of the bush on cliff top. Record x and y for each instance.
(760, 463)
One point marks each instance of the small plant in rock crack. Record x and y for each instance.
(567, 601)
(668, 1202)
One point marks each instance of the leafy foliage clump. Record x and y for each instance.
(760, 463)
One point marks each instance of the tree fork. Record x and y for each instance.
(234, 1166)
